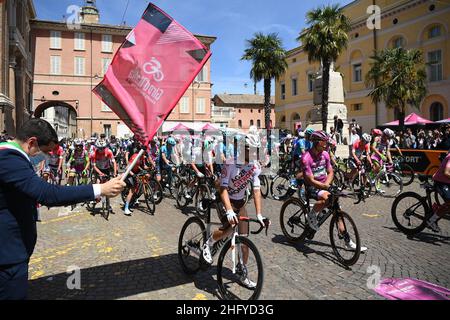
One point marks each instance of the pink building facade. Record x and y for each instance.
(248, 110)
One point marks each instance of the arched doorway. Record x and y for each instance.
(62, 116)
(436, 111)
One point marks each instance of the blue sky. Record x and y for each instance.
(231, 21)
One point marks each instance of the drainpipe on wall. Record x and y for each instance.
(91, 88)
(375, 47)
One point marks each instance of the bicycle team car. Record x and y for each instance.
(309, 181)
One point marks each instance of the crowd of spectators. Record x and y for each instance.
(431, 139)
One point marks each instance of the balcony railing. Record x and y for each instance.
(222, 113)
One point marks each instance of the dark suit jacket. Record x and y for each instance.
(20, 190)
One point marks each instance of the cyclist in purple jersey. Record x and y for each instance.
(318, 175)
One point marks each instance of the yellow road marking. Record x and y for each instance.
(37, 274)
(200, 296)
(371, 215)
(64, 218)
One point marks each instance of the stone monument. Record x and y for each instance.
(336, 106)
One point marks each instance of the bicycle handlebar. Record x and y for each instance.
(261, 227)
(335, 192)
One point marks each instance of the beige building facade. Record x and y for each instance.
(419, 24)
(16, 63)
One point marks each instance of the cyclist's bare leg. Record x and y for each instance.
(243, 229)
(443, 209)
(321, 203)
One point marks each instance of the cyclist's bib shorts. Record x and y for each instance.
(313, 192)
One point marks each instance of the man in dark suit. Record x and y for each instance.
(20, 190)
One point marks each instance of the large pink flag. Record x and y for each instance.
(151, 71)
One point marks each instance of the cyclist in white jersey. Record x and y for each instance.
(233, 183)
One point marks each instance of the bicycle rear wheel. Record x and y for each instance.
(388, 185)
(190, 243)
(149, 199)
(345, 242)
(157, 191)
(279, 187)
(182, 201)
(247, 281)
(202, 200)
(409, 213)
(293, 219)
(264, 186)
(106, 208)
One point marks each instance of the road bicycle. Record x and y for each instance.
(233, 252)
(201, 189)
(342, 228)
(141, 188)
(105, 202)
(386, 182)
(404, 170)
(410, 211)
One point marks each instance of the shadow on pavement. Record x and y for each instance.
(431, 238)
(306, 250)
(121, 280)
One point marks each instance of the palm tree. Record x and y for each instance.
(398, 78)
(323, 40)
(268, 61)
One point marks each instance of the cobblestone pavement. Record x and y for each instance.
(136, 257)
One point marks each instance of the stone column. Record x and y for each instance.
(336, 104)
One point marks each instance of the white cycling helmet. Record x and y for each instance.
(389, 133)
(253, 140)
(367, 137)
(253, 130)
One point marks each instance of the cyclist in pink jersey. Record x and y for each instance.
(442, 183)
(318, 174)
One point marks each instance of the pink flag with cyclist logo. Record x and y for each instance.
(151, 71)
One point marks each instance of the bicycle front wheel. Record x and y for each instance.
(406, 173)
(344, 238)
(190, 243)
(409, 213)
(279, 187)
(388, 185)
(247, 280)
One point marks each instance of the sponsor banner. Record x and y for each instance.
(421, 161)
(151, 71)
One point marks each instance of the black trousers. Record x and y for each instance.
(14, 281)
